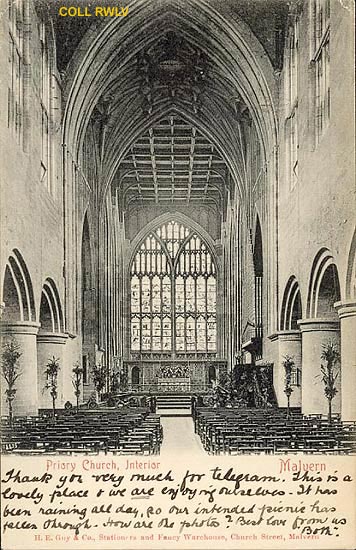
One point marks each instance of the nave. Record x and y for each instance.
(183, 247)
(217, 431)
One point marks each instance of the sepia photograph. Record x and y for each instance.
(177, 274)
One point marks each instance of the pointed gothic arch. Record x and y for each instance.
(259, 304)
(51, 314)
(291, 310)
(135, 376)
(88, 327)
(243, 72)
(86, 256)
(253, 75)
(324, 286)
(179, 218)
(351, 271)
(173, 283)
(17, 292)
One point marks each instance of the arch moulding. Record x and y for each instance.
(178, 217)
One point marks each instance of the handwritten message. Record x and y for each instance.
(86, 502)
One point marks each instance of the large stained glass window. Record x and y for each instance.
(173, 293)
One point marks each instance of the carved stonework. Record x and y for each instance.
(173, 371)
(180, 376)
(172, 68)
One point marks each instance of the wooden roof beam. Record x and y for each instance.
(136, 172)
(208, 172)
(153, 162)
(191, 162)
(172, 156)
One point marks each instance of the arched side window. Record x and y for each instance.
(135, 376)
(173, 293)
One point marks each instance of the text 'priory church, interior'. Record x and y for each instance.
(178, 260)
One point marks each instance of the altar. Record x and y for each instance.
(173, 378)
(173, 375)
(173, 385)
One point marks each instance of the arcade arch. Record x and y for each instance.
(51, 339)
(321, 327)
(19, 325)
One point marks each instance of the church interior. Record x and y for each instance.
(178, 227)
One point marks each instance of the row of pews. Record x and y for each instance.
(120, 431)
(238, 431)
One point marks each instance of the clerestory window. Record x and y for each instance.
(45, 108)
(320, 58)
(16, 70)
(291, 101)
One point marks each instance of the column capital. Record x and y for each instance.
(346, 309)
(20, 327)
(321, 324)
(287, 335)
(51, 337)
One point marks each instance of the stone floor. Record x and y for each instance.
(179, 436)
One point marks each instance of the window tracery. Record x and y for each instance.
(16, 69)
(45, 99)
(291, 96)
(320, 58)
(173, 293)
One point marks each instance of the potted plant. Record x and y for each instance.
(10, 372)
(99, 379)
(288, 364)
(52, 370)
(77, 381)
(329, 372)
(123, 379)
(225, 389)
(114, 382)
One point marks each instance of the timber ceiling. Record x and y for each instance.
(179, 71)
(173, 162)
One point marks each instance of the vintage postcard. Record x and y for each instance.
(177, 274)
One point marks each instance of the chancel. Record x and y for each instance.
(178, 225)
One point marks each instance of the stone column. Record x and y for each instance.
(289, 343)
(347, 315)
(315, 333)
(24, 334)
(50, 344)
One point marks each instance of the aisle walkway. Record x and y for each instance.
(179, 436)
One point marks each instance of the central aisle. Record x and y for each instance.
(179, 436)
